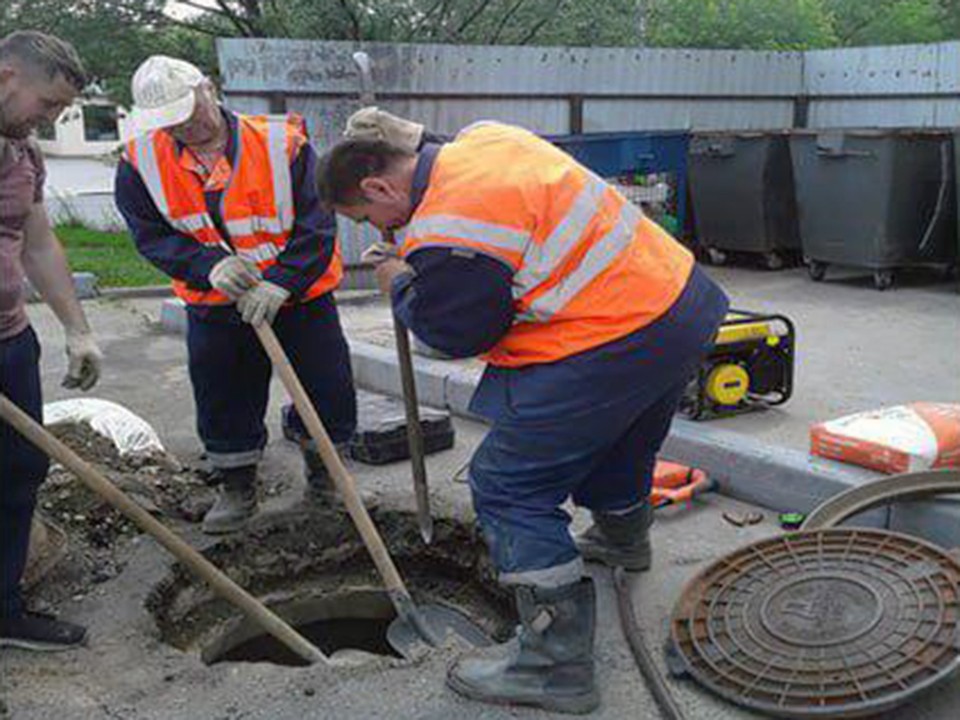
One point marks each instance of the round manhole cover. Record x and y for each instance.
(829, 623)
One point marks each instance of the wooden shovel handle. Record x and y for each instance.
(223, 585)
(342, 479)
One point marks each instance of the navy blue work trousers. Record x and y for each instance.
(230, 373)
(22, 466)
(587, 427)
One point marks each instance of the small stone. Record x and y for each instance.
(309, 692)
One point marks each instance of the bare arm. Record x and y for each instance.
(46, 267)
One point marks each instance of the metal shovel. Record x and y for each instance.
(429, 623)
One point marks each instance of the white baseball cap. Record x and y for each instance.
(163, 92)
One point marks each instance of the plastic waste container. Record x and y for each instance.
(876, 199)
(741, 184)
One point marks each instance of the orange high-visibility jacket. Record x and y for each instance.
(588, 266)
(257, 204)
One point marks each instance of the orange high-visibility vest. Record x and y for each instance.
(588, 266)
(257, 204)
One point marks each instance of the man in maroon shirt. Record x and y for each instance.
(39, 76)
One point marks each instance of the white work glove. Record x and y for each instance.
(262, 303)
(372, 123)
(83, 361)
(378, 252)
(233, 276)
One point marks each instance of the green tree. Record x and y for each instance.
(868, 22)
(758, 24)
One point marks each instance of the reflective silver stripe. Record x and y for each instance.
(597, 259)
(477, 231)
(250, 225)
(150, 172)
(192, 223)
(260, 253)
(551, 577)
(541, 260)
(226, 461)
(280, 170)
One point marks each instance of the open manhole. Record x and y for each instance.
(832, 623)
(349, 620)
(313, 571)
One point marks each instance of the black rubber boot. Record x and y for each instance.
(320, 490)
(549, 664)
(619, 540)
(236, 503)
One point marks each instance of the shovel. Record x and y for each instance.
(429, 623)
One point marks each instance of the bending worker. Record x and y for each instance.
(40, 75)
(227, 206)
(591, 319)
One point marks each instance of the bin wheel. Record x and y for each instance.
(774, 261)
(716, 257)
(883, 279)
(817, 270)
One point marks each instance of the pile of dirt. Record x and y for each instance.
(98, 535)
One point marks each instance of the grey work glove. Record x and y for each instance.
(262, 303)
(233, 276)
(372, 123)
(83, 361)
(378, 252)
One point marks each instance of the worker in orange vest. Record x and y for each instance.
(591, 319)
(226, 205)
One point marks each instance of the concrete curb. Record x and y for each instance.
(173, 311)
(84, 285)
(145, 291)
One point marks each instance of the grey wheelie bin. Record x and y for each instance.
(882, 200)
(741, 184)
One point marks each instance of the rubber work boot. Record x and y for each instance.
(319, 490)
(619, 540)
(236, 503)
(548, 664)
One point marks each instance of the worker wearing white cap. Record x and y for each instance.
(226, 205)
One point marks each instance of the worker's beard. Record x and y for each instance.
(16, 131)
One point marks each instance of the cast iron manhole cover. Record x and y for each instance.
(829, 623)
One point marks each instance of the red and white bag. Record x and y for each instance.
(903, 438)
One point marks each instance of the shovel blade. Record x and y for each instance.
(441, 621)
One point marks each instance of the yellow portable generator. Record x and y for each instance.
(749, 367)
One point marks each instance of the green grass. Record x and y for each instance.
(111, 256)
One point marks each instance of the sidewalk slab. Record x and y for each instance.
(775, 477)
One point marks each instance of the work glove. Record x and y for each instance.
(233, 276)
(372, 123)
(262, 303)
(83, 361)
(378, 252)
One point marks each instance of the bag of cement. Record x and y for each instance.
(899, 439)
(131, 434)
